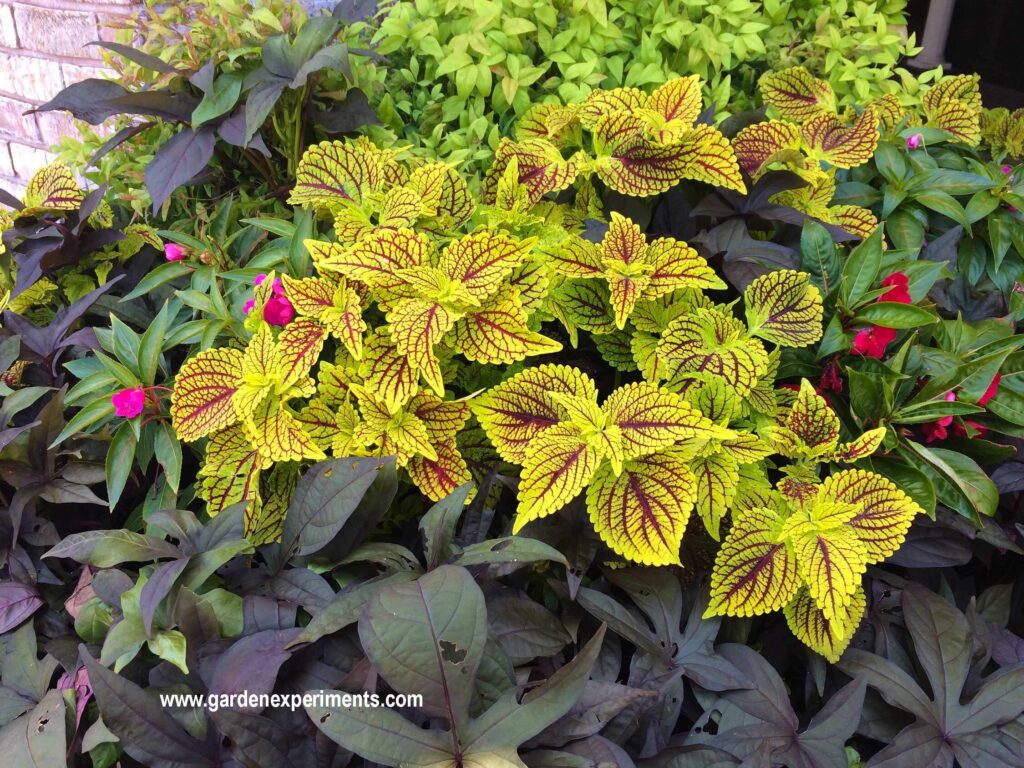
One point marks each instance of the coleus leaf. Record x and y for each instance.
(642, 512)
(203, 392)
(388, 373)
(758, 146)
(954, 105)
(498, 333)
(754, 573)
(829, 637)
(417, 326)
(518, 410)
(552, 122)
(335, 171)
(600, 103)
(676, 106)
(718, 477)
(796, 94)
(483, 260)
(811, 427)
(539, 165)
(376, 259)
(651, 418)
(708, 341)
(785, 308)
(441, 187)
(830, 556)
(279, 436)
(827, 138)
(883, 514)
(336, 306)
(559, 465)
(854, 219)
(440, 476)
(52, 188)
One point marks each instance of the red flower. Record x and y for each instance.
(872, 341)
(992, 389)
(938, 429)
(960, 429)
(128, 403)
(897, 284)
(278, 311)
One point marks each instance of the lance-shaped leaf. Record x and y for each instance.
(758, 146)
(754, 572)
(675, 106)
(203, 390)
(785, 308)
(708, 341)
(517, 411)
(651, 418)
(829, 637)
(498, 333)
(796, 94)
(558, 465)
(642, 512)
(427, 637)
(883, 514)
(828, 139)
(539, 165)
(717, 477)
(830, 556)
(335, 171)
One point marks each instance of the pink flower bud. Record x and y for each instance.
(278, 311)
(1007, 169)
(914, 141)
(128, 403)
(258, 280)
(174, 252)
(249, 305)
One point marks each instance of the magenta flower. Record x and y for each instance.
(278, 311)
(915, 141)
(258, 280)
(249, 305)
(174, 252)
(1007, 169)
(128, 403)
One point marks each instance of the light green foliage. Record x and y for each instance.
(462, 70)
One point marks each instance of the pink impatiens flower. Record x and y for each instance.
(897, 284)
(174, 252)
(914, 141)
(278, 311)
(938, 429)
(128, 403)
(249, 305)
(1007, 170)
(79, 683)
(872, 341)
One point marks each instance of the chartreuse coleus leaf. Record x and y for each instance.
(52, 188)
(334, 172)
(634, 270)
(785, 308)
(632, 452)
(808, 554)
(796, 94)
(539, 166)
(463, 290)
(336, 306)
(420, 434)
(707, 341)
(810, 430)
(954, 105)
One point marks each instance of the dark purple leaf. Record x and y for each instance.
(232, 130)
(260, 613)
(163, 103)
(17, 602)
(146, 731)
(351, 11)
(157, 588)
(89, 100)
(252, 663)
(145, 60)
(348, 115)
(117, 140)
(254, 740)
(259, 103)
(177, 162)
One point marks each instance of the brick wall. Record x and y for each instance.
(43, 49)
